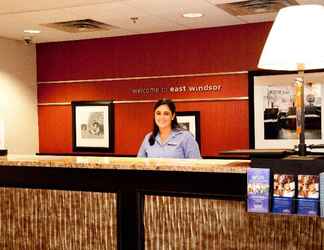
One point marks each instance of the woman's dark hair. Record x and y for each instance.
(174, 122)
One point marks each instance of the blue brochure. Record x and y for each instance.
(258, 183)
(322, 195)
(308, 195)
(307, 206)
(282, 205)
(283, 193)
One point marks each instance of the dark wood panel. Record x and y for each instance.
(311, 164)
(194, 184)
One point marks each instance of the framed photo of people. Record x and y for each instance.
(93, 126)
(273, 109)
(190, 120)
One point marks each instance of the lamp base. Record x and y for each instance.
(3, 151)
(302, 149)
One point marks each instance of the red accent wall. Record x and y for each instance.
(224, 49)
(224, 124)
(234, 85)
(55, 129)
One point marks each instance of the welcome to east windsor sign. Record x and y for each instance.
(177, 89)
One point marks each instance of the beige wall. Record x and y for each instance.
(18, 96)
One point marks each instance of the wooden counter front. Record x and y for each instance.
(58, 202)
(132, 203)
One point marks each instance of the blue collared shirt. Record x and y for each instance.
(179, 144)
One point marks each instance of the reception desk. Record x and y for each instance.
(132, 203)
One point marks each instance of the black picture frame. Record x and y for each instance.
(190, 120)
(259, 137)
(93, 126)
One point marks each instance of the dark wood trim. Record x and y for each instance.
(95, 180)
(310, 165)
(130, 221)
(251, 109)
(87, 154)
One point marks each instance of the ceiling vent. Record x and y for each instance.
(253, 7)
(77, 26)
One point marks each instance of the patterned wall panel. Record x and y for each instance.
(51, 219)
(200, 224)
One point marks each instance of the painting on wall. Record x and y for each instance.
(275, 109)
(93, 126)
(190, 120)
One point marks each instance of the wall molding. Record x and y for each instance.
(239, 98)
(142, 77)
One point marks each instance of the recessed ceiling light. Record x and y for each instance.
(192, 15)
(32, 31)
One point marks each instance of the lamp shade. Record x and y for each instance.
(296, 40)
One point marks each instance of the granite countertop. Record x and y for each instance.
(128, 163)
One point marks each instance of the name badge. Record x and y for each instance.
(172, 144)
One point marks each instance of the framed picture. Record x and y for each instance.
(93, 126)
(273, 109)
(190, 120)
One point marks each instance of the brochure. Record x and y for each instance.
(283, 193)
(258, 183)
(308, 194)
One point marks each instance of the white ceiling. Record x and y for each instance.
(153, 16)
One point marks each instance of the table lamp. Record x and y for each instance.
(296, 43)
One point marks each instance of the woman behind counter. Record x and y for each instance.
(167, 139)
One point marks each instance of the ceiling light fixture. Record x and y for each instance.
(192, 15)
(32, 31)
(134, 19)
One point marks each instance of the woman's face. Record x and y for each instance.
(163, 116)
